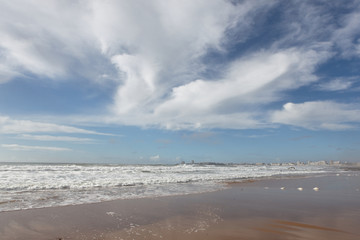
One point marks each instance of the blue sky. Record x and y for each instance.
(169, 81)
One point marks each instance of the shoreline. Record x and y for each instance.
(251, 210)
(222, 185)
(37, 186)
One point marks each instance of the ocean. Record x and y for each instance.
(26, 186)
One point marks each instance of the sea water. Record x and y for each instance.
(25, 186)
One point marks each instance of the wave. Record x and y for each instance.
(42, 185)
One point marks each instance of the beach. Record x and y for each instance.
(316, 207)
(179, 120)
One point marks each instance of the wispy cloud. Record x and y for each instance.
(54, 138)
(346, 37)
(17, 147)
(42, 43)
(324, 115)
(158, 58)
(13, 126)
(155, 158)
(258, 135)
(152, 72)
(207, 104)
(337, 84)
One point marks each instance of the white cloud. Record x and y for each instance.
(337, 84)
(155, 158)
(17, 147)
(245, 79)
(53, 40)
(154, 48)
(157, 50)
(140, 79)
(12, 126)
(29, 36)
(6, 74)
(326, 115)
(161, 46)
(162, 88)
(347, 37)
(83, 39)
(154, 52)
(54, 138)
(159, 54)
(225, 103)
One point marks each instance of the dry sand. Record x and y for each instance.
(267, 209)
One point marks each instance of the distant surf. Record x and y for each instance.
(26, 186)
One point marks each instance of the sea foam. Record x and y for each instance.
(24, 186)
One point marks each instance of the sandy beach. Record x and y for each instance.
(326, 207)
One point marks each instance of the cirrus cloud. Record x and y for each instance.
(17, 147)
(54, 138)
(14, 126)
(337, 84)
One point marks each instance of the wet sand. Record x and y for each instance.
(267, 209)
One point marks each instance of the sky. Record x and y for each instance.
(160, 82)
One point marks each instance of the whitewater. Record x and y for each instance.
(26, 186)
